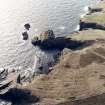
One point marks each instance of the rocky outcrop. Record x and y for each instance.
(58, 43)
(49, 34)
(95, 18)
(7, 80)
(10, 81)
(11, 78)
(94, 9)
(27, 26)
(44, 39)
(25, 35)
(25, 76)
(86, 25)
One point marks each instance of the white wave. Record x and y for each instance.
(77, 28)
(82, 16)
(1, 69)
(86, 9)
(36, 30)
(62, 27)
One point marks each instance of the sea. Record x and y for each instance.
(62, 16)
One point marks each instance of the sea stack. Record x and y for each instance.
(27, 26)
(25, 35)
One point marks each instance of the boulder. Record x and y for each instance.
(25, 35)
(27, 26)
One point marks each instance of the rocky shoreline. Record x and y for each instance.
(79, 76)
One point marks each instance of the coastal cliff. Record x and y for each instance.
(79, 76)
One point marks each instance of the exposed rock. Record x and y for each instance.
(58, 43)
(43, 38)
(94, 9)
(66, 51)
(7, 81)
(85, 25)
(27, 26)
(94, 19)
(25, 76)
(3, 74)
(25, 35)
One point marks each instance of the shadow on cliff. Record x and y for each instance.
(19, 97)
(60, 43)
(93, 100)
(91, 25)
